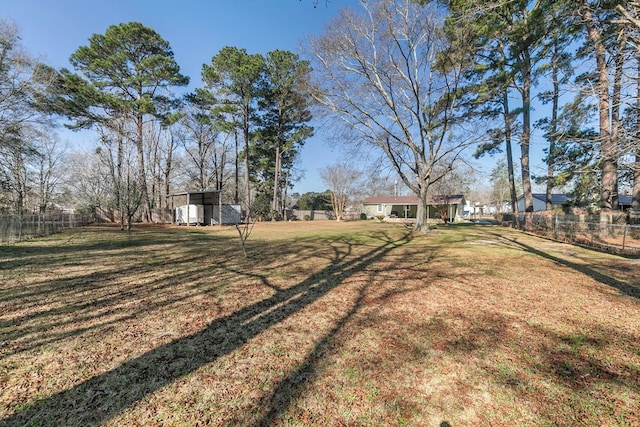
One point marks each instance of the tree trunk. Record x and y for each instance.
(510, 170)
(608, 193)
(247, 184)
(616, 123)
(553, 130)
(285, 193)
(167, 172)
(338, 202)
(142, 180)
(526, 132)
(422, 224)
(276, 182)
(236, 193)
(118, 194)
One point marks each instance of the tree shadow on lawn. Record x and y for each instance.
(83, 241)
(81, 315)
(286, 391)
(102, 397)
(92, 302)
(66, 305)
(80, 250)
(537, 364)
(631, 289)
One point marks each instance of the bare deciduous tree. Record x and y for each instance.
(384, 73)
(207, 146)
(21, 77)
(49, 165)
(342, 181)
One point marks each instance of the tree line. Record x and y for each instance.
(578, 58)
(426, 82)
(421, 86)
(239, 133)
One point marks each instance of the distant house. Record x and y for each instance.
(478, 209)
(407, 206)
(558, 201)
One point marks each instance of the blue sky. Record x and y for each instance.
(196, 30)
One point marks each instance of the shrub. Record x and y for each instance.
(307, 217)
(363, 215)
(276, 215)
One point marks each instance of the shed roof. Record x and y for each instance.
(209, 197)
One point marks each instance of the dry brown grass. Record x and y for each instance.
(325, 323)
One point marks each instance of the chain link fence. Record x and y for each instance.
(616, 237)
(15, 228)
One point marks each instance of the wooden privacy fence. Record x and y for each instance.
(15, 228)
(302, 215)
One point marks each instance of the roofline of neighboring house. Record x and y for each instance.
(412, 200)
(543, 197)
(624, 199)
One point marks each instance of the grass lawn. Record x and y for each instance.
(338, 324)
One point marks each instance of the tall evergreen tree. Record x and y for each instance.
(284, 114)
(556, 64)
(515, 29)
(234, 76)
(594, 18)
(125, 75)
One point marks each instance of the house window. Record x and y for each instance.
(379, 208)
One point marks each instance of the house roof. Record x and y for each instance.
(555, 197)
(563, 198)
(625, 200)
(412, 200)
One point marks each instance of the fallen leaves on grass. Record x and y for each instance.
(337, 324)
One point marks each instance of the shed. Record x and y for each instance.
(214, 212)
